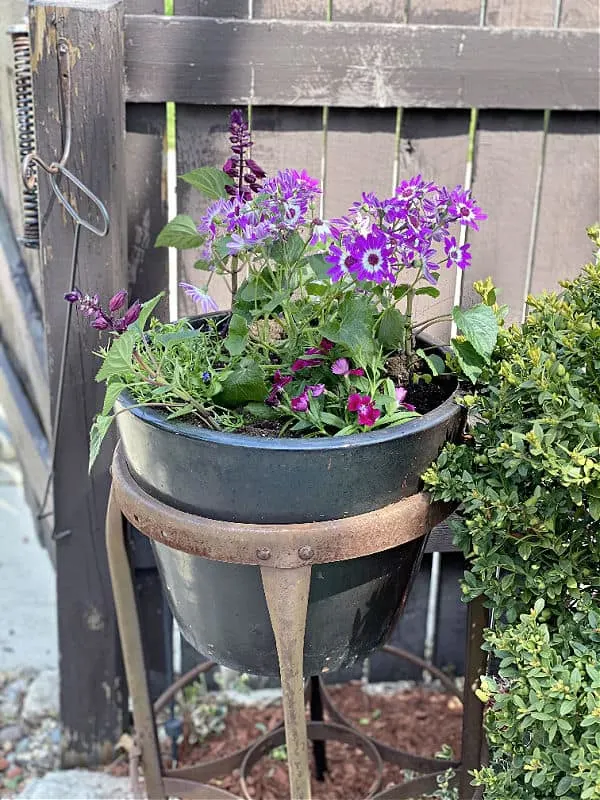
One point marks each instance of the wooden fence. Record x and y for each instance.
(498, 95)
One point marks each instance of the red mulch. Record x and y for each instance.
(419, 721)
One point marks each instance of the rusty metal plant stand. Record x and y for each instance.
(285, 554)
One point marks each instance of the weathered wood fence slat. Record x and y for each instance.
(380, 65)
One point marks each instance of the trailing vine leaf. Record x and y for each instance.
(479, 326)
(180, 232)
(97, 433)
(211, 181)
(118, 358)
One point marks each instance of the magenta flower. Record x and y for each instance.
(303, 363)
(342, 260)
(401, 393)
(413, 189)
(301, 402)
(132, 313)
(458, 255)
(372, 257)
(316, 389)
(100, 323)
(279, 381)
(324, 347)
(321, 231)
(342, 367)
(215, 215)
(364, 406)
(200, 296)
(464, 208)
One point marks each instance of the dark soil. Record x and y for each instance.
(419, 721)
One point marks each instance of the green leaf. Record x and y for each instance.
(594, 506)
(118, 359)
(211, 181)
(113, 390)
(205, 265)
(431, 291)
(287, 251)
(355, 327)
(436, 364)
(97, 433)
(147, 309)
(564, 785)
(480, 327)
(245, 383)
(237, 336)
(261, 410)
(392, 328)
(319, 266)
(180, 232)
(331, 419)
(470, 362)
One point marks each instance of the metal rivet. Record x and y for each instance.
(306, 552)
(263, 553)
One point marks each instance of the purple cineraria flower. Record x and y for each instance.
(300, 402)
(214, 215)
(464, 209)
(342, 367)
(413, 189)
(372, 257)
(321, 231)
(342, 260)
(458, 255)
(200, 296)
(250, 236)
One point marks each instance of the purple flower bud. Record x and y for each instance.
(132, 313)
(100, 323)
(117, 301)
(236, 117)
(256, 169)
(74, 296)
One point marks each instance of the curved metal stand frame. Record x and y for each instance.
(285, 554)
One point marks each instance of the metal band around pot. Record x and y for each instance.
(279, 546)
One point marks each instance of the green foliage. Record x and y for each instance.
(529, 483)
(180, 232)
(211, 181)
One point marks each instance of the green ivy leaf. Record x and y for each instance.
(479, 326)
(237, 336)
(245, 383)
(180, 232)
(97, 433)
(118, 359)
(211, 181)
(392, 328)
(469, 360)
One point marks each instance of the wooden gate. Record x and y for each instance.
(498, 95)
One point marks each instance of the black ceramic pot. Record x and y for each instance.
(220, 607)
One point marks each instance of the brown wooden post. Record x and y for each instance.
(92, 685)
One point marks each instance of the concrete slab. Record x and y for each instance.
(77, 784)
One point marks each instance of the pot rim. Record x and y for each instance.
(151, 416)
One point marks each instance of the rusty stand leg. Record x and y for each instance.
(286, 592)
(133, 655)
(475, 667)
(316, 715)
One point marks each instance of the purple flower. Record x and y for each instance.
(365, 408)
(73, 297)
(100, 323)
(342, 367)
(132, 313)
(342, 260)
(214, 215)
(316, 389)
(324, 347)
(458, 255)
(321, 231)
(301, 402)
(200, 296)
(117, 301)
(249, 237)
(401, 393)
(464, 209)
(206, 377)
(302, 363)
(256, 170)
(372, 257)
(235, 166)
(279, 381)
(413, 189)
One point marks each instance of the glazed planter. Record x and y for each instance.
(221, 607)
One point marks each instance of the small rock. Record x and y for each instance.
(22, 745)
(11, 698)
(42, 698)
(55, 736)
(77, 784)
(14, 772)
(10, 733)
(4, 764)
